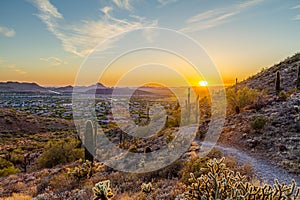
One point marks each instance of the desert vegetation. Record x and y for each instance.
(41, 157)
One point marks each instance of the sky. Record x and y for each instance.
(48, 41)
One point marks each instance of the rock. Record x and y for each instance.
(282, 148)
(30, 178)
(81, 195)
(252, 143)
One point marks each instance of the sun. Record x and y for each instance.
(203, 83)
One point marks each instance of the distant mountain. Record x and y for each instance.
(20, 87)
(98, 88)
(119, 91)
(24, 87)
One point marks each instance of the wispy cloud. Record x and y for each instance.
(124, 4)
(215, 17)
(47, 8)
(7, 32)
(296, 7)
(80, 38)
(16, 70)
(54, 61)
(297, 17)
(166, 2)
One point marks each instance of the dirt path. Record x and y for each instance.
(264, 171)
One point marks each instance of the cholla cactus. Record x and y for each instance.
(147, 188)
(102, 191)
(86, 170)
(218, 182)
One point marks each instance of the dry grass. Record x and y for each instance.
(16, 196)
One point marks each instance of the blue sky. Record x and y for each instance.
(46, 41)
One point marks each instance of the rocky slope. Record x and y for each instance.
(266, 78)
(277, 140)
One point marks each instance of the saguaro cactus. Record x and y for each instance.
(298, 78)
(277, 82)
(197, 109)
(189, 104)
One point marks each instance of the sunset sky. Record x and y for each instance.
(46, 41)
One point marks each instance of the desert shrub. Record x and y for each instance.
(245, 169)
(85, 170)
(62, 182)
(8, 121)
(168, 172)
(60, 152)
(17, 156)
(16, 196)
(258, 122)
(282, 95)
(218, 182)
(192, 166)
(244, 97)
(7, 168)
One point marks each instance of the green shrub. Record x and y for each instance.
(244, 97)
(282, 95)
(258, 122)
(194, 166)
(7, 168)
(60, 152)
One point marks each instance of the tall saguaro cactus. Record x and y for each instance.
(298, 78)
(189, 104)
(197, 109)
(277, 82)
(89, 141)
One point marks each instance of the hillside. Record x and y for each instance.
(266, 78)
(270, 129)
(20, 87)
(260, 140)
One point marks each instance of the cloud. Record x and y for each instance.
(165, 2)
(297, 17)
(54, 61)
(16, 70)
(80, 38)
(215, 17)
(296, 7)
(124, 4)
(8, 32)
(106, 10)
(47, 8)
